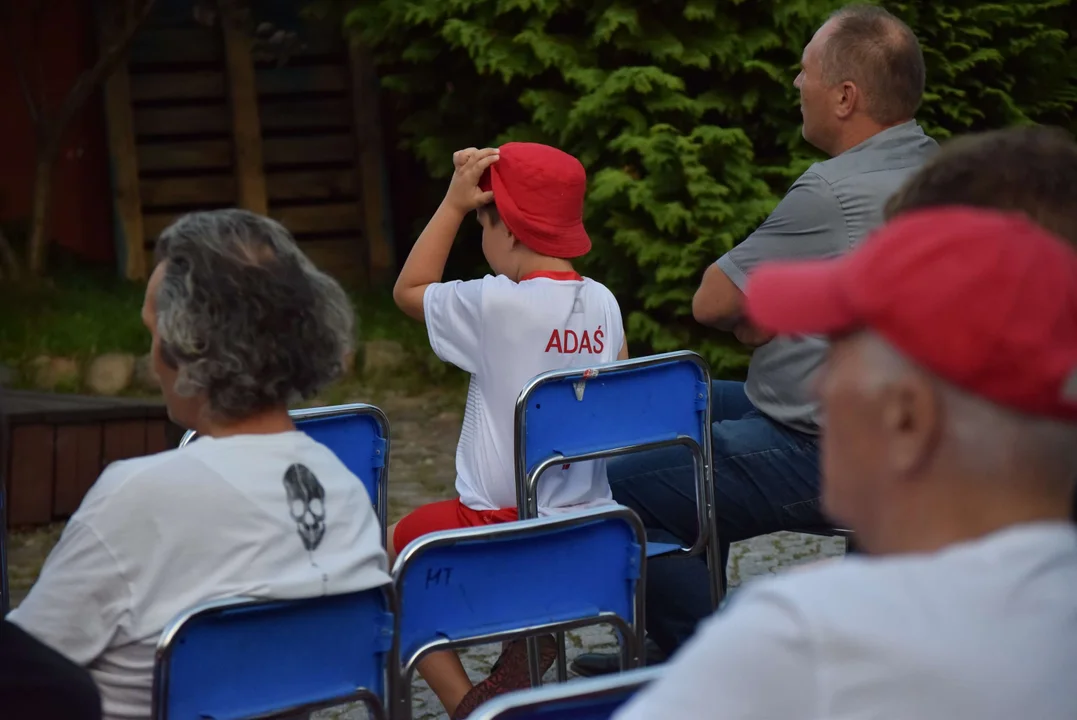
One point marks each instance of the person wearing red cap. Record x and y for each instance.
(949, 400)
(1031, 169)
(535, 314)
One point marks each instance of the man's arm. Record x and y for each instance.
(752, 661)
(426, 262)
(718, 303)
(807, 223)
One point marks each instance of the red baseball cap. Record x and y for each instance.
(538, 191)
(984, 300)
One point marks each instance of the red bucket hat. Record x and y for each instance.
(985, 300)
(538, 191)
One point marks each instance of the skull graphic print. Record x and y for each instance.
(306, 503)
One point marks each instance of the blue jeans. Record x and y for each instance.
(766, 478)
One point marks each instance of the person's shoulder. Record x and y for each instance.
(819, 178)
(816, 181)
(474, 286)
(830, 586)
(143, 484)
(598, 288)
(127, 476)
(894, 150)
(487, 288)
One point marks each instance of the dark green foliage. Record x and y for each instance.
(683, 112)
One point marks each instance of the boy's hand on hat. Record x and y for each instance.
(460, 157)
(464, 193)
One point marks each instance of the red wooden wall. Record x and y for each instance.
(54, 54)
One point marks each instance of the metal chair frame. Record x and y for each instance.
(515, 706)
(378, 707)
(381, 502)
(631, 629)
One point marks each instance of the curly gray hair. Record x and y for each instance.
(244, 316)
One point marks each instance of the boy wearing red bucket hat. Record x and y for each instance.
(534, 314)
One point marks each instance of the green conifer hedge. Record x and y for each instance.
(683, 111)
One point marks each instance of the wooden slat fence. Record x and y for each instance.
(211, 127)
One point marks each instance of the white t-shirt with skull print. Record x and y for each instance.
(267, 516)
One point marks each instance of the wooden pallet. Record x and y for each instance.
(196, 122)
(57, 445)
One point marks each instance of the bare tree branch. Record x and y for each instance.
(16, 59)
(38, 14)
(131, 17)
(8, 261)
(107, 61)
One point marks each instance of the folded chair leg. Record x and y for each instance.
(533, 660)
(562, 660)
(630, 659)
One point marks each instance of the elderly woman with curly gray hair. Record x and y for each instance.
(242, 325)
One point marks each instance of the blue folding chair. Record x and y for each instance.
(591, 699)
(241, 658)
(567, 416)
(358, 434)
(518, 579)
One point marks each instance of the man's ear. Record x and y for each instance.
(168, 356)
(912, 416)
(847, 101)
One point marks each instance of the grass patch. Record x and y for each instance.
(71, 315)
(88, 312)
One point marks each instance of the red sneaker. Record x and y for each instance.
(509, 673)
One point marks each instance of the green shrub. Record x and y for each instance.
(683, 112)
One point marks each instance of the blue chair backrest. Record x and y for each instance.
(626, 406)
(459, 587)
(616, 407)
(241, 658)
(592, 699)
(358, 434)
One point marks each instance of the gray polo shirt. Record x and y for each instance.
(828, 210)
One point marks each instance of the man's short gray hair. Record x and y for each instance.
(987, 436)
(880, 55)
(244, 316)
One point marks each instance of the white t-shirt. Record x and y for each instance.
(985, 630)
(266, 516)
(505, 333)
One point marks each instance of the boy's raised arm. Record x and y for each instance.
(426, 262)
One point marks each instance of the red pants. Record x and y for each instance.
(445, 515)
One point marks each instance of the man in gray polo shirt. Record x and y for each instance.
(861, 82)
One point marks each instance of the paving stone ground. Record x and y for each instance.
(425, 428)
